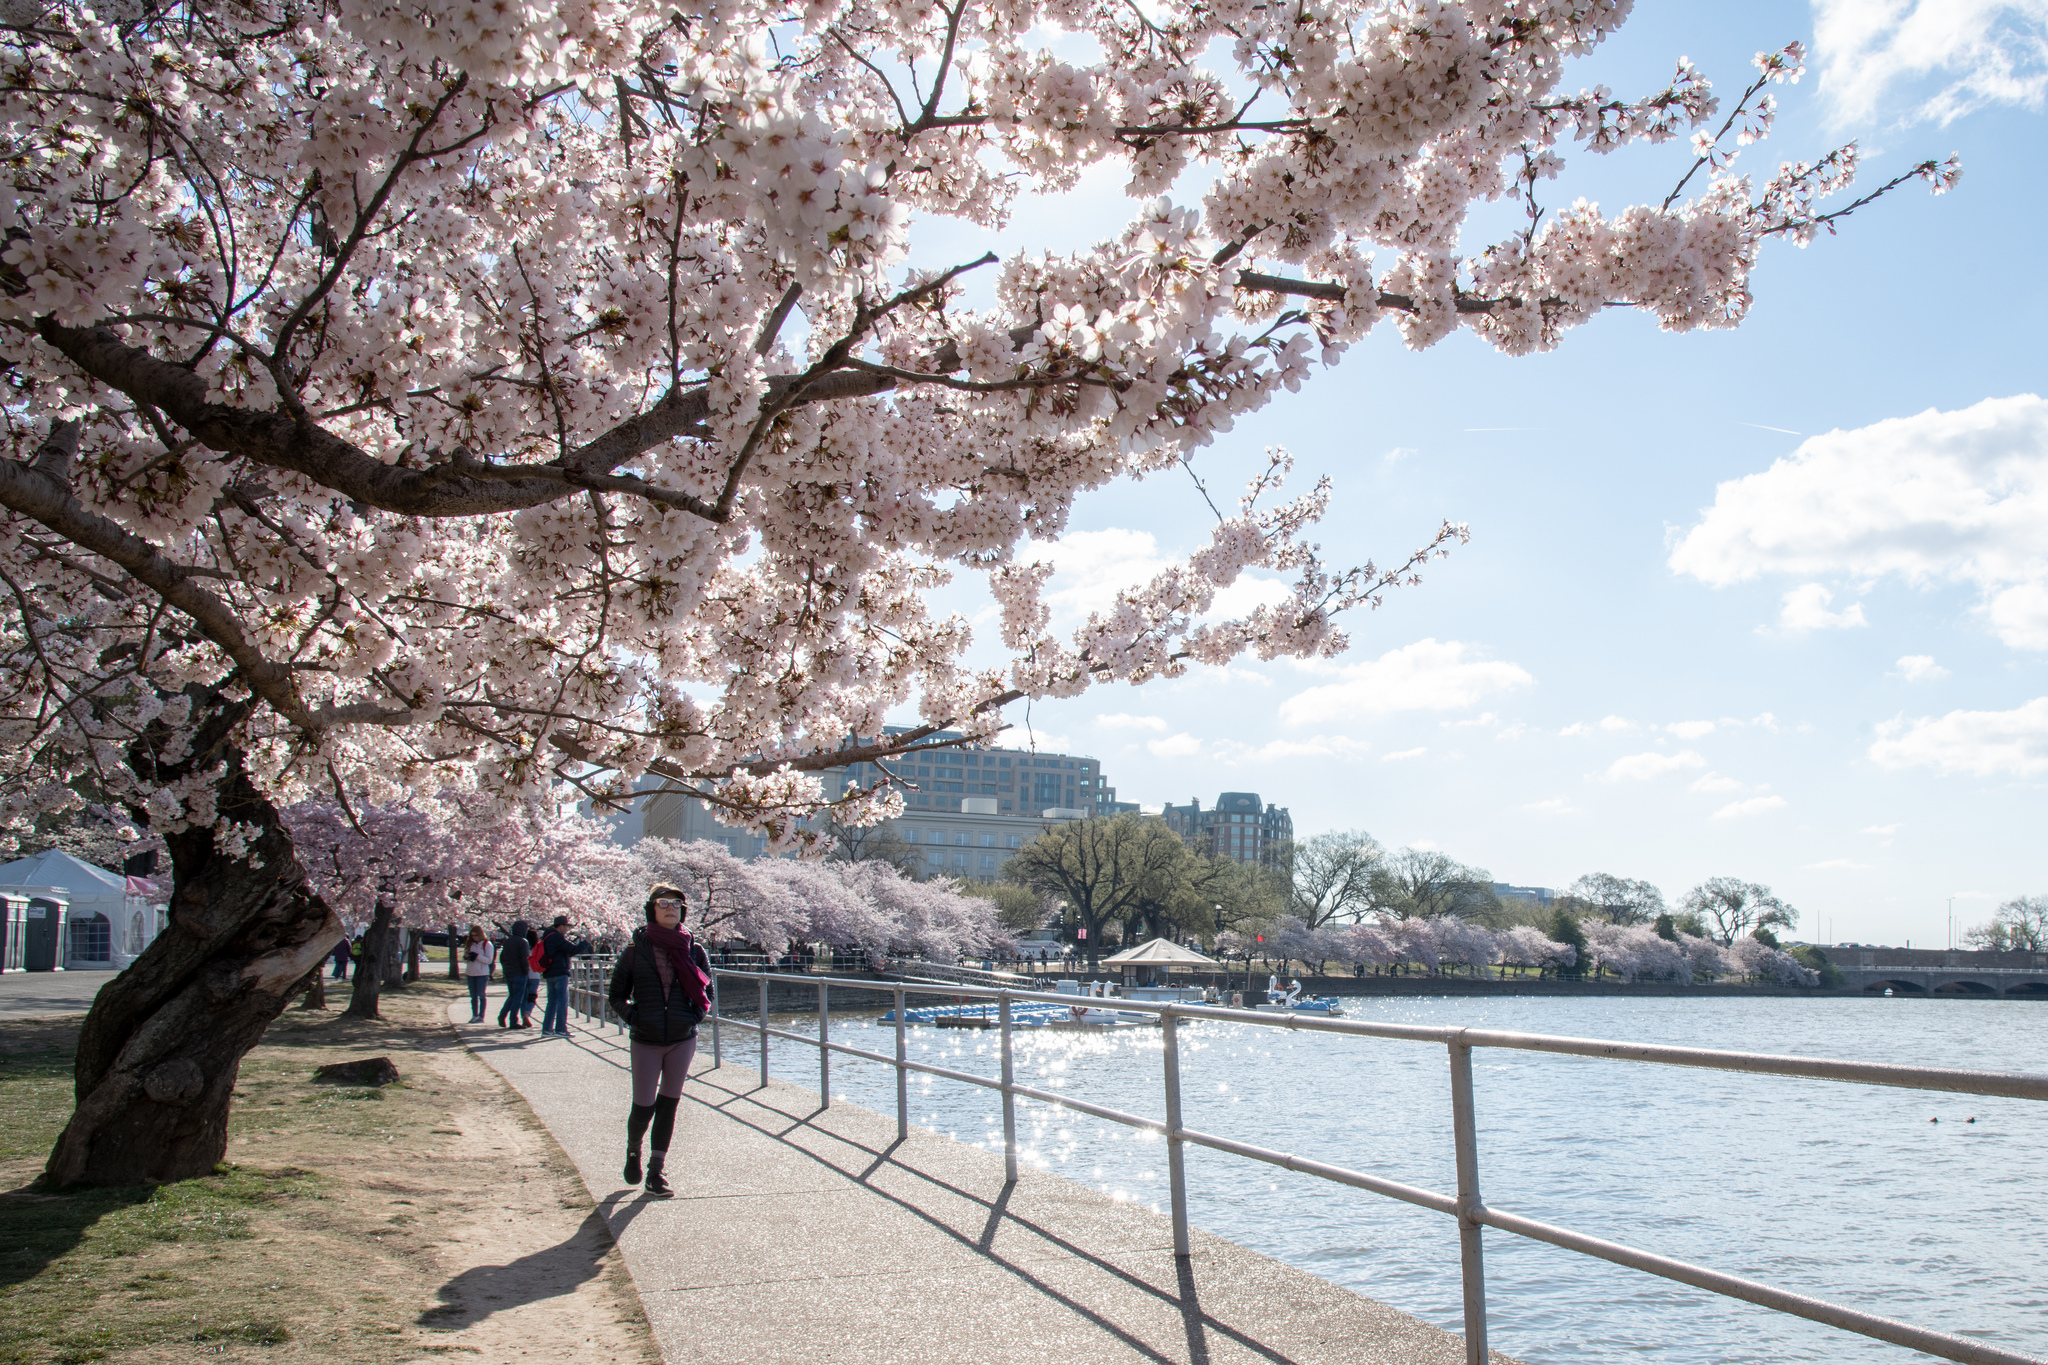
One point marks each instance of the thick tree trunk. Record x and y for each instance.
(362, 1001)
(393, 959)
(160, 1050)
(412, 955)
(316, 993)
(454, 968)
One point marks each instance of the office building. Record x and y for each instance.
(1239, 827)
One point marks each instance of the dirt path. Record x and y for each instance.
(430, 1219)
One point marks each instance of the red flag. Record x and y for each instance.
(1262, 938)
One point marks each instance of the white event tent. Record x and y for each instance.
(106, 926)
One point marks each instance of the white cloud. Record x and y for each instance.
(1120, 721)
(1556, 805)
(1979, 743)
(1955, 497)
(1756, 805)
(1175, 746)
(1615, 725)
(1806, 608)
(1953, 56)
(1642, 767)
(1246, 595)
(1320, 746)
(1090, 567)
(1400, 453)
(1691, 729)
(1920, 668)
(1484, 718)
(1429, 675)
(1576, 728)
(1882, 831)
(1404, 753)
(1714, 782)
(1837, 865)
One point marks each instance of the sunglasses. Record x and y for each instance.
(669, 904)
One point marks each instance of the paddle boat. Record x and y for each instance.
(1291, 1001)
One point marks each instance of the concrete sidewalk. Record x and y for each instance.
(800, 1235)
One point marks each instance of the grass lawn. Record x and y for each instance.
(348, 1223)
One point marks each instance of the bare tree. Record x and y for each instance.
(873, 844)
(1102, 869)
(2019, 926)
(1732, 908)
(1618, 900)
(1333, 875)
(1419, 883)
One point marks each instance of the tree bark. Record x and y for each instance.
(412, 955)
(454, 969)
(316, 993)
(393, 959)
(160, 1050)
(362, 1001)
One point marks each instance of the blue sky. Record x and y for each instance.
(1694, 633)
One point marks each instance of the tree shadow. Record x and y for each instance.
(553, 1271)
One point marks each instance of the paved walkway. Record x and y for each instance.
(45, 995)
(800, 1235)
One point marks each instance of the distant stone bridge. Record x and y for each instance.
(1934, 971)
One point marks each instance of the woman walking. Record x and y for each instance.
(662, 989)
(479, 954)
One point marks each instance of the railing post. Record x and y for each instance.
(824, 1052)
(902, 1075)
(1465, 1138)
(763, 1021)
(1009, 1097)
(1176, 1170)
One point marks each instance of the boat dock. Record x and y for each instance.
(806, 1235)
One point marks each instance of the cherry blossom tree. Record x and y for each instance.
(1524, 945)
(424, 396)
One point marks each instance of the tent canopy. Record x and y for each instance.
(1159, 953)
(91, 888)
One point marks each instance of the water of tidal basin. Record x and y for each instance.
(1844, 1192)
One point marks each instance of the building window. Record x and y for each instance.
(1016, 841)
(960, 860)
(988, 862)
(988, 841)
(960, 836)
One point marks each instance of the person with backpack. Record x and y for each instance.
(520, 982)
(555, 954)
(662, 988)
(479, 954)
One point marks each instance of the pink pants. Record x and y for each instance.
(661, 1070)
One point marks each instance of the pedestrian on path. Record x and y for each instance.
(662, 988)
(479, 954)
(556, 952)
(520, 983)
(340, 956)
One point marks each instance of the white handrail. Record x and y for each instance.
(1466, 1206)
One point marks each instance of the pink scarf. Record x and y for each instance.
(676, 943)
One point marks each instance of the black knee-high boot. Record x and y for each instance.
(636, 1128)
(657, 1157)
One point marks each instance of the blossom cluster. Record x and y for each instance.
(423, 398)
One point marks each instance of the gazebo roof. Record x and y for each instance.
(1157, 950)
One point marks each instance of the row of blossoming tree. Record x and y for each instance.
(1632, 952)
(431, 863)
(424, 396)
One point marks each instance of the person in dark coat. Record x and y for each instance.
(662, 988)
(519, 982)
